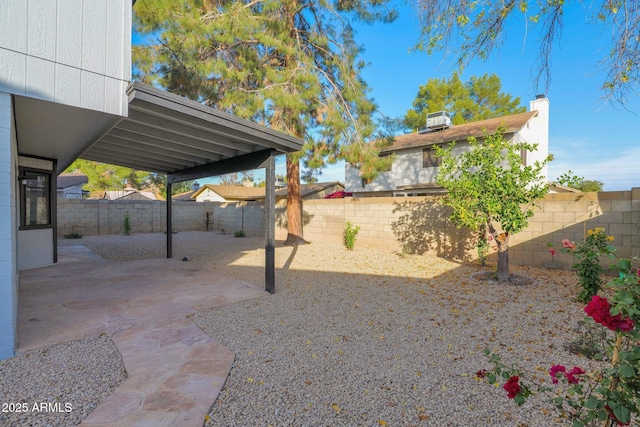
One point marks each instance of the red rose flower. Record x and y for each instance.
(554, 370)
(512, 387)
(571, 375)
(599, 309)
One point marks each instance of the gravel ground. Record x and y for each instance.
(60, 385)
(369, 338)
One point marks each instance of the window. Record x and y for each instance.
(35, 199)
(390, 167)
(523, 156)
(429, 159)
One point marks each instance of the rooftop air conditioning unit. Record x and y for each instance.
(438, 121)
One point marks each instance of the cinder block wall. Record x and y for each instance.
(421, 224)
(98, 217)
(570, 216)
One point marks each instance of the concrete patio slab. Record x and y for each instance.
(175, 371)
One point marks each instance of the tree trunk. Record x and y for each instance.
(503, 258)
(294, 203)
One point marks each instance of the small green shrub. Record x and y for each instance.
(73, 235)
(127, 224)
(239, 233)
(349, 234)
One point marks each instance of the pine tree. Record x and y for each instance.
(290, 64)
(478, 99)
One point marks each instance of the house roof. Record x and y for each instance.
(238, 192)
(184, 197)
(233, 192)
(308, 189)
(66, 180)
(512, 123)
(120, 194)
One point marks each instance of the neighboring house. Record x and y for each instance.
(186, 196)
(415, 167)
(317, 190)
(235, 193)
(557, 188)
(69, 185)
(129, 194)
(227, 193)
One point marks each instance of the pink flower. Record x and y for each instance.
(568, 245)
(512, 387)
(552, 251)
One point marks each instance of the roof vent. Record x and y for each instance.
(438, 121)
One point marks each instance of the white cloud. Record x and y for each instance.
(613, 164)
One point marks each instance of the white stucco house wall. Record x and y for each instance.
(415, 168)
(64, 69)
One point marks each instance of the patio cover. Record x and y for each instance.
(186, 140)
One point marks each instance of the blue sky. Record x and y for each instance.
(587, 135)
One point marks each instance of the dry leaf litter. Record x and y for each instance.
(368, 337)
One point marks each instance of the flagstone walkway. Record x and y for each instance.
(175, 371)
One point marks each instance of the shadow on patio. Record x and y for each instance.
(175, 371)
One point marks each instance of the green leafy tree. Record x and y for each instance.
(591, 185)
(569, 179)
(479, 98)
(476, 29)
(104, 176)
(290, 64)
(488, 186)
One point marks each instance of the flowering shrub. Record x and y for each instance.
(340, 194)
(611, 394)
(587, 265)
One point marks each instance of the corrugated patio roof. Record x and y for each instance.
(167, 133)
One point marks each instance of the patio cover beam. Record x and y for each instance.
(187, 140)
(244, 162)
